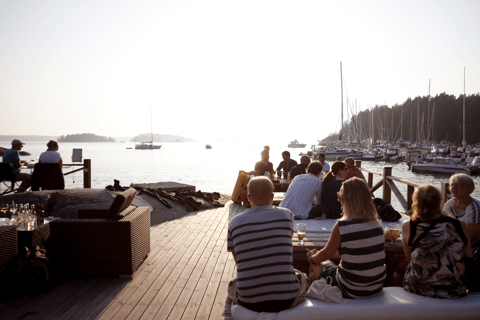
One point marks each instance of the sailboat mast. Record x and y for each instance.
(341, 86)
(401, 127)
(428, 111)
(151, 126)
(464, 142)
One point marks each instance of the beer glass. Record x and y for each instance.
(301, 233)
(394, 232)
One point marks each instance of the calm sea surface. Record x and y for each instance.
(189, 162)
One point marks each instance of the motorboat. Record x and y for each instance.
(208, 146)
(373, 155)
(296, 144)
(393, 154)
(331, 155)
(439, 165)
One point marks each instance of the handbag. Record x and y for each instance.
(322, 289)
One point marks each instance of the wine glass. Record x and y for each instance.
(301, 233)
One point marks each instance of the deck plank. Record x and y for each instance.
(167, 250)
(185, 276)
(178, 266)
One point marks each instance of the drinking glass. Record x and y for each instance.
(4, 209)
(394, 232)
(301, 233)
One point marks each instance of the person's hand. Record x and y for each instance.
(310, 254)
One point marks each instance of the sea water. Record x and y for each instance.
(191, 163)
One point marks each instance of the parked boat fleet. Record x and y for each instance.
(428, 157)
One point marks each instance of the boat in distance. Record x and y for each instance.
(208, 146)
(147, 146)
(296, 144)
(439, 165)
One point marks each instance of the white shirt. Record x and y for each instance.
(326, 167)
(470, 215)
(50, 156)
(302, 192)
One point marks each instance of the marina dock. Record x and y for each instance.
(185, 276)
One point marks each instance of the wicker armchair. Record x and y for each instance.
(8, 247)
(101, 243)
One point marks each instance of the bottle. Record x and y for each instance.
(40, 215)
(288, 178)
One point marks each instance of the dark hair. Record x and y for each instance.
(314, 167)
(286, 152)
(52, 143)
(336, 166)
(426, 204)
(349, 160)
(321, 155)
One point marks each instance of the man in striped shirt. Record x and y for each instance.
(260, 240)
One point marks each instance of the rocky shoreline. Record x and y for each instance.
(66, 203)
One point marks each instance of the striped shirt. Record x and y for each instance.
(362, 271)
(261, 238)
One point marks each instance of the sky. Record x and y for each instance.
(220, 69)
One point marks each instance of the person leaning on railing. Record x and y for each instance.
(436, 247)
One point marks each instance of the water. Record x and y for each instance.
(190, 163)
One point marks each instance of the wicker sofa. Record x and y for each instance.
(111, 242)
(8, 247)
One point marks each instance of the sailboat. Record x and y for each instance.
(148, 145)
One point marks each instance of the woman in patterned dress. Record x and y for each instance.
(435, 247)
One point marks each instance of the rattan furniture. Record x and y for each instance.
(32, 238)
(95, 245)
(8, 247)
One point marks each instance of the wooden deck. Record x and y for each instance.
(185, 276)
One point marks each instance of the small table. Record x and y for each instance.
(318, 240)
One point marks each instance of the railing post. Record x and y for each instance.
(358, 163)
(445, 192)
(370, 180)
(410, 190)
(387, 192)
(87, 173)
(339, 158)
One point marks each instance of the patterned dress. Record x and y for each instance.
(437, 265)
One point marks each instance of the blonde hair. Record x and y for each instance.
(426, 203)
(357, 201)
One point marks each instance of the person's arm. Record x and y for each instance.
(405, 237)
(468, 248)
(474, 231)
(317, 199)
(234, 257)
(61, 164)
(329, 250)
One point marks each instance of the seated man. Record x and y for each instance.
(260, 240)
(305, 190)
(301, 168)
(287, 164)
(264, 165)
(353, 171)
(321, 158)
(13, 156)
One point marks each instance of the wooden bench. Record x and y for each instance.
(391, 303)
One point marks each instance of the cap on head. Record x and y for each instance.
(16, 141)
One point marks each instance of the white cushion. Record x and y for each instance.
(392, 303)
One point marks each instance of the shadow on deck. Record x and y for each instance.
(185, 276)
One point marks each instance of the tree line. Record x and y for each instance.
(422, 118)
(84, 137)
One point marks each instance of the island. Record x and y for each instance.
(84, 137)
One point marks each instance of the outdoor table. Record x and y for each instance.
(318, 240)
(32, 238)
(279, 186)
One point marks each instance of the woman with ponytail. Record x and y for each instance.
(436, 247)
(332, 182)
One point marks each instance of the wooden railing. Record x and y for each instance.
(388, 183)
(86, 167)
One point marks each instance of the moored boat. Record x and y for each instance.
(439, 165)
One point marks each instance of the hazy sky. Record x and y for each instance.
(224, 69)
